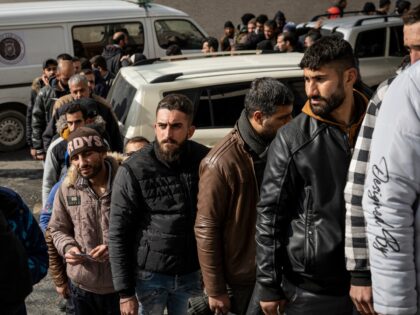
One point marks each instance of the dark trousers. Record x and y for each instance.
(89, 303)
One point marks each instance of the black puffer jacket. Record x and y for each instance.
(301, 213)
(42, 111)
(153, 210)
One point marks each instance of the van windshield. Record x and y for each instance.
(121, 97)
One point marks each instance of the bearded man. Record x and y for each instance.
(153, 251)
(80, 221)
(301, 213)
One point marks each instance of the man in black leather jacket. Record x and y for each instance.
(301, 213)
(152, 247)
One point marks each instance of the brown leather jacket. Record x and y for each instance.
(226, 217)
(81, 219)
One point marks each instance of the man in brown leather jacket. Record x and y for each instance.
(230, 177)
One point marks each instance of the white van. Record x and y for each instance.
(34, 31)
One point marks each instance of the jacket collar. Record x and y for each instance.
(360, 102)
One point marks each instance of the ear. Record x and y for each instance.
(191, 130)
(257, 116)
(351, 76)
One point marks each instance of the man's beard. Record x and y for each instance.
(329, 104)
(173, 154)
(92, 170)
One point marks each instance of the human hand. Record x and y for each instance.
(273, 307)
(129, 306)
(362, 299)
(72, 256)
(219, 304)
(100, 253)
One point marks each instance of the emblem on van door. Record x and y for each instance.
(12, 48)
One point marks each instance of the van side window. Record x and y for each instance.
(221, 106)
(371, 43)
(90, 40)
(181, 32)
(122, 94)
(396, 44)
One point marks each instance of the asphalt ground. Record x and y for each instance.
(24, 175)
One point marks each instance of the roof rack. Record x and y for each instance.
(167, 77)
(385, 17)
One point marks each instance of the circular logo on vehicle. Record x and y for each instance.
(12, 48)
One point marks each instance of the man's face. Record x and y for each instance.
(172, 129)
(251, 27)
(88, 163)
(91, 81)
(412, 41)
(229, 31)
(281, 44)
(268, 32)
(67, 70)
(74, 121)
(325, 89)
(50, 71)
(308, 42)
(270, 124)
(79, 91)
(77, 66)
(259, 27)
(206, 48)
(132, 147)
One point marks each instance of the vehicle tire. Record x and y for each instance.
(12, 130)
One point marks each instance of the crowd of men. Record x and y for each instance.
(313, 214)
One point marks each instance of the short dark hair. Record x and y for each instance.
(265, 95)
(383, 3)
(76, 106)
(314, 35)
(246, 17)
(262, 18)
(64, 56)
(99, 61)
(271, 23)
(212, 42)
(289, 37)
(326, 50)
(402, 6)
(412, 16)
(49, 62)
(177, 102)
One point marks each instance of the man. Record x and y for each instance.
(24, 226)
(210, 45)
(135, 144)
(230, 178)
(286, 42)
(79, 89)
(337, 10)
(77, 65)
(49, 69)
(270, 31)
(311, 37)
(384, 6)
(99, 63)
(391, 198)
(153, 251)
(300, 220)
(79, 223)
(44, 102)
(260, 21)
(356, 246)
(227, 41)
(114, 54)
(55, 161)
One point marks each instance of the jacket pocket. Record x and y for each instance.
(142, 254)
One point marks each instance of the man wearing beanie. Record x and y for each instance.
(79, 223)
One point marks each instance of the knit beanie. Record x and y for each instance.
(85, 139)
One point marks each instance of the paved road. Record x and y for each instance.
(19, 172)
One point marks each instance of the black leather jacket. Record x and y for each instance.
(301, 213)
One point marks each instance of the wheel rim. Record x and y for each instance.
(11, 131)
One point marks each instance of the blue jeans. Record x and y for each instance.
(156, 292)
